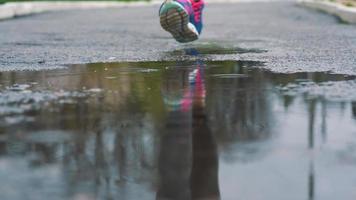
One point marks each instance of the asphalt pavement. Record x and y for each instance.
(289, 38)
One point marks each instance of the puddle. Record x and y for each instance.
(177, 130)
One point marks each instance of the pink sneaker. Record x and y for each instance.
(182, 18)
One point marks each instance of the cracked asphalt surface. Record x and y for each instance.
(295, 38)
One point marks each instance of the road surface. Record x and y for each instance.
(295, 38)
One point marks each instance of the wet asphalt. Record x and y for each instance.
(289, 38)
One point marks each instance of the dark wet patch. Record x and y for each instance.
(212, 49)
(250, 40)
(26, 44)
(112, 130)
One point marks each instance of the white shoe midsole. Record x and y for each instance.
(192, 28)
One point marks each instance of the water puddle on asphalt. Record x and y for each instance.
(177, 130)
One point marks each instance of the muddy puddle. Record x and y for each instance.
(177, 130)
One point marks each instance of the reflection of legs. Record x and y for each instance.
(354, 109)
(311, 177)
(204, 177)
(175, 157)
(181, 175)
(311, 181)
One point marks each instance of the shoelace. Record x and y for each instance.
(197, 5)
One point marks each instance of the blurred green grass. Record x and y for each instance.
(5, 1)
(349, 3)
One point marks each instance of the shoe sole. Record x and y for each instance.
(175, 20)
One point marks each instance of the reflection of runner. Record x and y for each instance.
(204, 177)
(188, 161)
(175, 155)
(174, 161)
(182, 18)
(311, 135)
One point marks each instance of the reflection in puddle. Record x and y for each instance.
(168, 130)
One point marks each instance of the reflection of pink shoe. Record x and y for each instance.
(182, 99)
(198, 86)
(175, 100)
(182, 18)
(192, 76)
(186, 102)
(199, 92)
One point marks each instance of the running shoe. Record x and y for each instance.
(182, 18)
